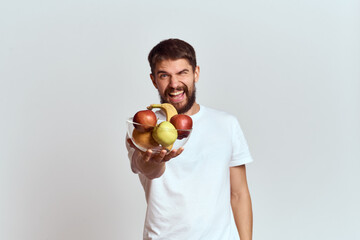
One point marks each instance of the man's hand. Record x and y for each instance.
(152, 165)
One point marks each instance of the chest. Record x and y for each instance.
(208, 150)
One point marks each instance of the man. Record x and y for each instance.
(199, 192)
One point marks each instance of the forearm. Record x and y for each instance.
(242, 210)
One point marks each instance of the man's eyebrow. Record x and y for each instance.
(183, 71)
(161, 71)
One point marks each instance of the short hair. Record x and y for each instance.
(172, 49)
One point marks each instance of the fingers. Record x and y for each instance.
(159, 157)
(171, 155)
(179, 151)
(162, 156)
(174, 153)
(147, 155)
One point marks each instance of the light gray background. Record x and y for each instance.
(71, 72)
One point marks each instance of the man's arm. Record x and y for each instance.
(241, 202)
(149, 164)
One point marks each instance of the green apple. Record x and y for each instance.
(165, 133)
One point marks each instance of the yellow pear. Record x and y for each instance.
(165, 134)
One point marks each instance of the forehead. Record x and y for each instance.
(169, 65)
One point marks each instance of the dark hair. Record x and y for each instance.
(172, 49)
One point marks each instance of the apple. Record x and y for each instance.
(182, 122)
(146, 118)
(165, 134)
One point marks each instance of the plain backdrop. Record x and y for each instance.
(71, 72)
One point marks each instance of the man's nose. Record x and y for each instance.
(174, 82)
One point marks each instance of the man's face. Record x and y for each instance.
(175, 81)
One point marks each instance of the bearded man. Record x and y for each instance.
(199, 192)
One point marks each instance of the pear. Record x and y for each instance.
(165, 134)
(144, 139)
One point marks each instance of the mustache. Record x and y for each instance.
(183, 88)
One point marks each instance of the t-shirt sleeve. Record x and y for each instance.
(131, 152)
(240, 150)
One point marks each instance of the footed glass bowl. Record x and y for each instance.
(144, 140)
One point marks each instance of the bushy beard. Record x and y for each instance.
(188, 105)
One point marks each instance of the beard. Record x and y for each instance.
(190, 99)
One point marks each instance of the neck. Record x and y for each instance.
(193, 110)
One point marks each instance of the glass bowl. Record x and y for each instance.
(145, 141)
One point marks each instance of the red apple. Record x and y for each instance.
(146, 118)
(182, 122)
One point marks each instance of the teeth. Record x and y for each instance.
(175, 93)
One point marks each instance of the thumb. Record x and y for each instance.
(130, 142)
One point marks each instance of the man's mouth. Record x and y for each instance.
(180, 97)
(176, 96)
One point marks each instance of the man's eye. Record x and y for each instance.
(163, 75)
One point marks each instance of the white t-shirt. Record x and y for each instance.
(191, 200)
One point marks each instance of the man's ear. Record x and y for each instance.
(197, 73)
(153, 80)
